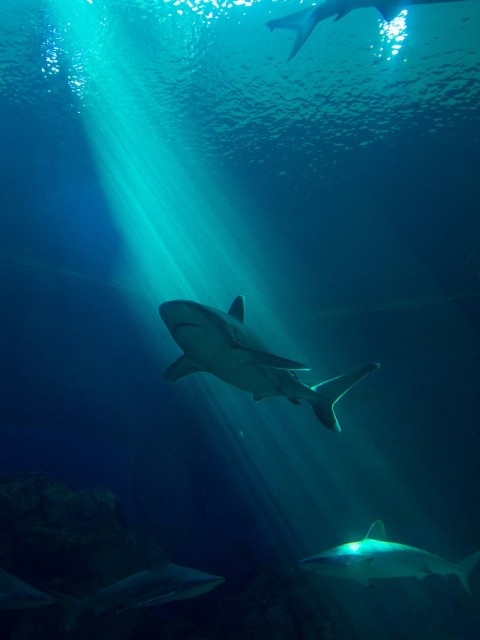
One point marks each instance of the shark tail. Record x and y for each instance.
(71, 608)
(330, 392)
(303, 22)
(465, 568)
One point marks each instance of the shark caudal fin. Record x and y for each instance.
(71, 608)
(330, 392)
(465, 568)
(302, 22)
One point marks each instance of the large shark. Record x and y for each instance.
(148, 588)
(17, 594)
(304, 22)
(375, 557)
(220, 343)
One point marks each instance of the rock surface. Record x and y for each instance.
(62, 539)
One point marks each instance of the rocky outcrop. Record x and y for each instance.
(54, 537)
(281, 603)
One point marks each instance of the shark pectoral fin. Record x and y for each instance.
(423, 572)
(237, 308)
(330, 392)
(360, 570)
(263, 359)
(181, 368)
(303, 22)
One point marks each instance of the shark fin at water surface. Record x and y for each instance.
(304, 22)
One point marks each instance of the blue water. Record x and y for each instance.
(149, 154)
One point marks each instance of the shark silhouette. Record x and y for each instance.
(17, 594)
(375, 557)
(148, 588)
(219, 343)
(304, 22)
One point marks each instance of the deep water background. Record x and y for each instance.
(355, 199)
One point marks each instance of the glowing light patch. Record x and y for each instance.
(52, 47)
(392, 37)
(59, 57)
(210, 9)
(354, 546)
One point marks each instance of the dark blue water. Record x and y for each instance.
(351, 226)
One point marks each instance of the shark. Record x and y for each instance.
(221, 344)
(152, 587)
(304, 22)
(149, 588)
(376, 557)
(17, 594)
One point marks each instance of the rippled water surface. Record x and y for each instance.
(221, 78)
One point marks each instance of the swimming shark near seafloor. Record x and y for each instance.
(17, 594)
(304, 22)
(219, 343)
(376, 557)
(148, 588)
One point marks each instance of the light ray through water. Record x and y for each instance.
(183, 238)
(393, 34)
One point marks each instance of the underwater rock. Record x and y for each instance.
(70, 540)
(281, 603)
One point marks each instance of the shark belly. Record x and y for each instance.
(200, 343)
(407, 563)
(262, 382)
(392, 569)
(251, 378)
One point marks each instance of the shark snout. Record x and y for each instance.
(167, 311)
(174, 313)
(178, 312)
(306, 564)
(317, 562)
(191, 327)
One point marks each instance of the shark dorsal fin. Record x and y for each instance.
(376, 531)
(237, 309)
